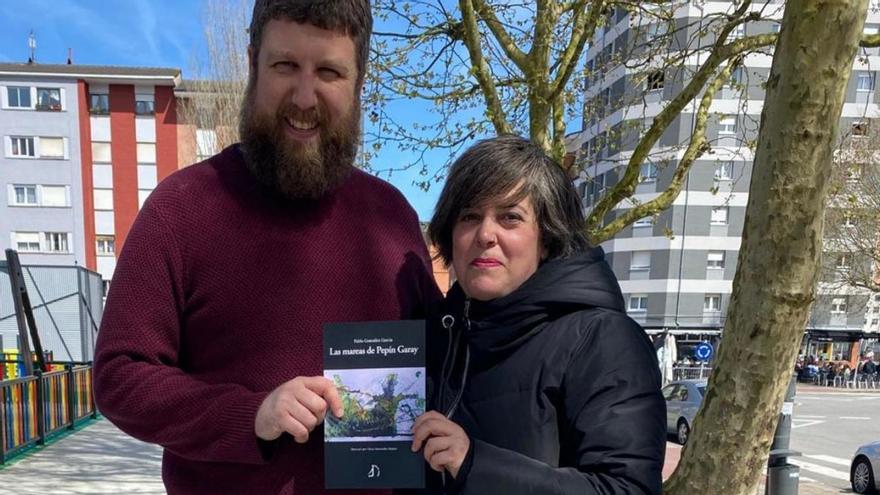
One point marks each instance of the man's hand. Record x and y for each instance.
(297, 407)
(446, 444)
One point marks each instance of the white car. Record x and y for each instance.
(864, 463)
(683, 399)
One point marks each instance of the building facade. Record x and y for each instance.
(83, 146)
(676, 269)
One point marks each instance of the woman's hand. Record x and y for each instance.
(446, 444)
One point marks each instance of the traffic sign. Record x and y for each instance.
(703, 351)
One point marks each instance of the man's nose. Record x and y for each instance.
(304, 95)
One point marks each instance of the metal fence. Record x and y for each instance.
(35, 408)
(691, 372)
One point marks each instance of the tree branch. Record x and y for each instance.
(504, 39)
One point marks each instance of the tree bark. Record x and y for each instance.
(782, 245)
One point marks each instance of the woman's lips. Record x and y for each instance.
(485, 263)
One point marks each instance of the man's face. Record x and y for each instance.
(300, 119)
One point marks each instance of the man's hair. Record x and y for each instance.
(494, 168)
(352, 17)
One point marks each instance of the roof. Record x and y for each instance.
(96, 73)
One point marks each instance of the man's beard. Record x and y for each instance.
(293, 169)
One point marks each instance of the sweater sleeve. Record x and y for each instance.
(615, 425)
(140, 383)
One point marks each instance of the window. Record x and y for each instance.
(644, 222)
(101, 152)
(19, 97)
(23, 147)
(106, 244)
(738, 32)
(842, 261)
(103, 199)
(849, 220)
(56, 242)
(736, 78)
(712, 303)
(99, 104)
(865, 81)
(724, 171)
(656, 80)
(715, 260)
(51, 147)
(838, 305)
(106, 287)
(146, 152)
(719, 215)
(727, 125)
(49, 99)
(25, 195)
(648, 172)
(53, 196)
(26, 242)
(640, 261)
(144, 107)
(638, 303)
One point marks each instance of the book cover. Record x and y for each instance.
(379, 371)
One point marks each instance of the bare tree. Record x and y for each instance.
(782, 245)
(211, 100)
(852, 221)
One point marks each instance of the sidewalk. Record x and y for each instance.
(97, 460)
(673, 455)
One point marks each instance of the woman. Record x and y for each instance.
(546, 386)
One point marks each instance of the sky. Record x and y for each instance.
(143, 33)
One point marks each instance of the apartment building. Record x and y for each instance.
(83, 146)
(676, 269)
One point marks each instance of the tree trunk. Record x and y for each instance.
(782, 244)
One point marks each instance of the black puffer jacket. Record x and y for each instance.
(558, 389)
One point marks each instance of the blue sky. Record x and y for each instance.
(140, 33)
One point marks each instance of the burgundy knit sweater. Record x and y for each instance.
(219, 296)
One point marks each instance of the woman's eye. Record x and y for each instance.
(468, 217)
(511, 217)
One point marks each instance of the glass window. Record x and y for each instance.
(712, 303)
(641, 260)
(56, 242)
(144, 107)
(49, 99)
(716, 259)
(738, 32)
(638, 303)
(106, 244)
(656, 80)
(724, 171)
(25, 195)
(53, 196)
(146, 152)
(19, 96)
(101, 152)
(866, 81)
(99, 104)
(51, 147)
(103, 199)
(23, 146)
(838, 305)
(27, 242)
(727, 125)
(648, 172)
(719, 215)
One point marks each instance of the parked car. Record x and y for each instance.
(861, 472)
(683, 399)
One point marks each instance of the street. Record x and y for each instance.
(828, 426)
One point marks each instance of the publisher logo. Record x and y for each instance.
(375, 472)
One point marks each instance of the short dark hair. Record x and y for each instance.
(352, 17)
(493, 169)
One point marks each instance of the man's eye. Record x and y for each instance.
(284, 65)
(328, 73)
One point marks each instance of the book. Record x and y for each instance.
(379, 371)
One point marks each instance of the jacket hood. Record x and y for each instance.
(559, 287)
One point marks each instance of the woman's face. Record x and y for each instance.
(496, 247)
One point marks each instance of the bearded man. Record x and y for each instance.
(211, 339)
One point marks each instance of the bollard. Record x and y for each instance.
(782, 477)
